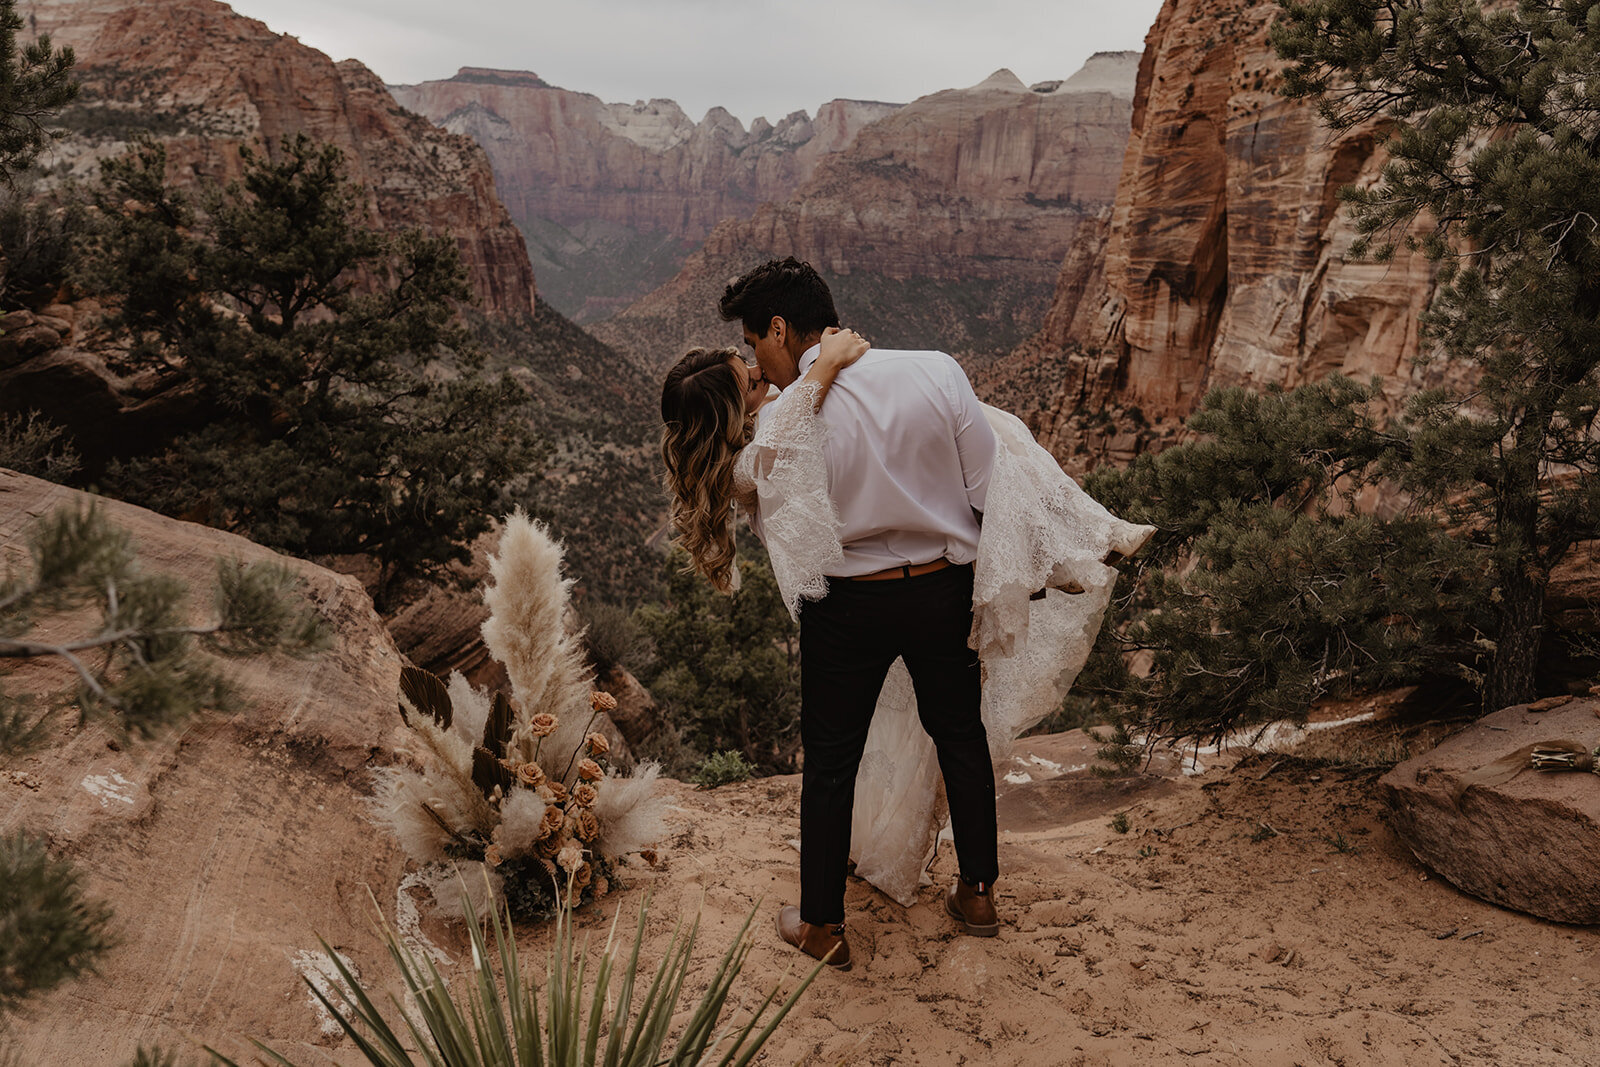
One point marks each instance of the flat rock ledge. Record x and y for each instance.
(1531, 844)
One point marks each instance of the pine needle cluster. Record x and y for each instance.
(142, 664)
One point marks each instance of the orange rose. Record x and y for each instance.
(551, 822)
(491, 855)
(530, 775)
(543, 724)
(585, 794)
(599, 701)
(588, 826)
(583, 877)
(598, 745)
(590, 771)
(558, 792)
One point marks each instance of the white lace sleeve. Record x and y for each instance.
(786, 467)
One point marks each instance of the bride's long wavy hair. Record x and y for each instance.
(702, 405)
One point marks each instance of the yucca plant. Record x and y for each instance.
(497, 1020)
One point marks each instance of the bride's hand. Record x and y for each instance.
(840, 348)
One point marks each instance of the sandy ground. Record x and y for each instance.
(1255, 914)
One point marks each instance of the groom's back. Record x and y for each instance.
(909, 453)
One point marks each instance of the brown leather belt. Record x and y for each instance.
(905, 570)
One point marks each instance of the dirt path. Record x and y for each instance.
(1258, 915)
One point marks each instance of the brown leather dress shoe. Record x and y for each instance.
(973, 907)
(814, 941)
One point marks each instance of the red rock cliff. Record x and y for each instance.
(1226, 255)
(942, 225)
(613, 196)
(206, 80)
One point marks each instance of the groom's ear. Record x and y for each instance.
(777, 329)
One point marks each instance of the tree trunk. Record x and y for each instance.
(1516, 655)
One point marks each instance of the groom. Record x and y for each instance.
(909, 454)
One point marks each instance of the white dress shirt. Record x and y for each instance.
(909, 453)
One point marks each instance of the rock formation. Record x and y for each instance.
(1532, 843)
(943, 225)
(1226, 255)
(225, 848)
(612, 197)
(205, 80)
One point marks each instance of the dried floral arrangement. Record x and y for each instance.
(521, 785)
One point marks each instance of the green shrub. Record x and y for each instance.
(612, 638)
(1265, 588)
(49, 930)
(31, 444)
(721, 769)
(727, 672)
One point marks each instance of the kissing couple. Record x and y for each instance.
(948, 579)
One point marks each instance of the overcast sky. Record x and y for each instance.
(753, 57)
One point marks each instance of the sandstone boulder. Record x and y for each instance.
(1532, 843)
(226, 847)
(636, 716)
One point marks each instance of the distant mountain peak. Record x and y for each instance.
(1003, 79)
(527, 79)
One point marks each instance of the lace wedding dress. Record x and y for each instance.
(1040, 531)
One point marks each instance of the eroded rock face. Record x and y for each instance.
(225, 848)
(1531, 844)
(613, 196)
(1226, 259)
(637, 716)
(205, 81)
(942, 226)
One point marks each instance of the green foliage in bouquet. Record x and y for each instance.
(498, 1021)
(520, 784)
(347, 410)
(727, 669)
(1266, 587)
(1491, 127)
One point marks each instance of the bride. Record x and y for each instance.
(1042, 579)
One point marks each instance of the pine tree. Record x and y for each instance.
(1267, 587)
(350, 410)
(727, 667)
(35, 83)
(1493, 119)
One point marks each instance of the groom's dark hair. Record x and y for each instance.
(788, 289)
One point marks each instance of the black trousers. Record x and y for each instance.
(848, 641)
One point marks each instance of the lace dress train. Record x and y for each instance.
(1040, 531)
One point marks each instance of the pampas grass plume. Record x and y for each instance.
(630, 817)
(521, 817)
(527, 603)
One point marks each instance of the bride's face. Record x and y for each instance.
(755, 386)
